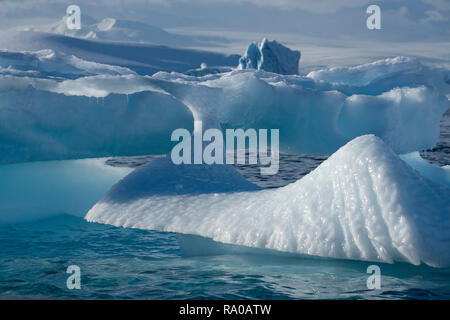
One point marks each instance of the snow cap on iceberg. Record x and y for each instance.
(270, 56)
(362, 203)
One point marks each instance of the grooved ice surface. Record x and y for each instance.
(362, 203)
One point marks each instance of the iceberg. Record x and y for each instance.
(128, 31)
(312, 117)
(43, 118)
(431, 171)
(270, 56)
(37, 190)
(382, 75)
(37, 125)
(362, 203)
(205, 70)
(364, 74)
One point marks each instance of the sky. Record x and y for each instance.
(325, 23)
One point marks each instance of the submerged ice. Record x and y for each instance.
(363, 203)
(36, 190)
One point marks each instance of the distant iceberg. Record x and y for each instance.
(143, 58)
(363, 203)
(48, 63)
(270, 56)
(205, 70)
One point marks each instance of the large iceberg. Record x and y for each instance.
(270, 56)
(40, 125)
(43, 118)
(362, 203)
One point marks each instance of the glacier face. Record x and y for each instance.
(362, 203)
(270, 56)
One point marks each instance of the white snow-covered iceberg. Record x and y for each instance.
(270, 56)
(362, 203)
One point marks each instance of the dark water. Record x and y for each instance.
(118, 263)
(440, 155)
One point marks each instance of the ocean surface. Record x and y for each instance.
(118, 263)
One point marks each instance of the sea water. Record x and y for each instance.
(118, 263)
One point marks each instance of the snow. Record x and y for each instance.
(123, 30)
(36, 190)
(270, 56)
(363, 203)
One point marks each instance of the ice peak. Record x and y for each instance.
(270, 56)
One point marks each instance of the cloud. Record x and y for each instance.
(443, 5)
(434, 16)
(316, 6)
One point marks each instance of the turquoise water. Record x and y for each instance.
(118, 263)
